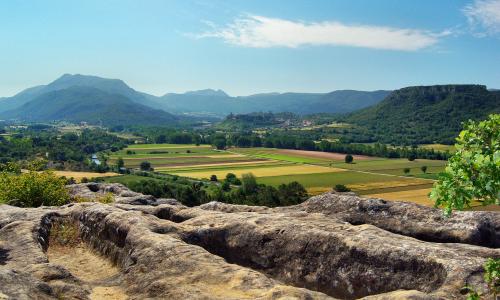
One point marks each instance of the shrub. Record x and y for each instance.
(145, 166)
(213, 178)
(424, 169)
(492, 275)
(84, 180)
(33, 189)
(226, 186)
(348, 159)
(406, 171)
(232, 179)
(341, 188)
(412, 156)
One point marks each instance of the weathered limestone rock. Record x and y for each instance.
(333, 246)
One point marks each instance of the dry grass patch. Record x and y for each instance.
(420, 196)
(67, 249)
(79, 175)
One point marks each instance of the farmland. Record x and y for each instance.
(318, 172)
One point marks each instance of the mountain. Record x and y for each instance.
(112, 86)
(208, 102)
(426, 114)
(208, 92)
(219, 103)
(82, 103)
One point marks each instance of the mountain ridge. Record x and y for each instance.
(81, 103)
(420, 112)
(214, 102)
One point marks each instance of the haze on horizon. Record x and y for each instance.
(246, 47)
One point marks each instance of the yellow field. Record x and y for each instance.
(242, 163)
(79, 175)
(389, 184)
(263, 172)
(416, 196)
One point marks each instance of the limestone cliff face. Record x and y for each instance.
(333, 246)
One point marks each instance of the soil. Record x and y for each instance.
(94, 270)
(324, 155)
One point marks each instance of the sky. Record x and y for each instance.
(247, 47)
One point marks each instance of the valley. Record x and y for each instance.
(318, 172)
(240, 150)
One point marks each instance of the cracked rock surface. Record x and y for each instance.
(333, 246)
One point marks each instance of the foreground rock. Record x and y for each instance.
(330, 247)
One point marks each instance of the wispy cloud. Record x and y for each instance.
(484, 14)
(263, 32)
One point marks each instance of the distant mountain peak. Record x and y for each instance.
(87, 80)
(208, 92)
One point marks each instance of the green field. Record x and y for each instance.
(271, 154)
(173, 155)
(367, 176)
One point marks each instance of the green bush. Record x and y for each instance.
(473, 172)
(33, 189)
(341, 188)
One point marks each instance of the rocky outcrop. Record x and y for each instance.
(334, 246)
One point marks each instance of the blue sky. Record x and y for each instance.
(246, 47)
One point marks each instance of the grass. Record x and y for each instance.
(167, 152)
(439, 147)
(221, 167)
(328, 179)
(263, 172)
(167, 146)
(387, 166)
(187, 161)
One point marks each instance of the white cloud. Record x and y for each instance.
(263, 32)
(485, 14)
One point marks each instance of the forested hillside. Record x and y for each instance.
(77, 104)
(426, 114)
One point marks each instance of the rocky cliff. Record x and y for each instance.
(333, 246)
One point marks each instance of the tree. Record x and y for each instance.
(213, 178)
(473, 171)
(226, 186)
(406, 171)
(348, 159)
(424, 169)
(249, 184)
(120, 163)
(412, 156)
(219, 141)
(145, 166)
(292, 193)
